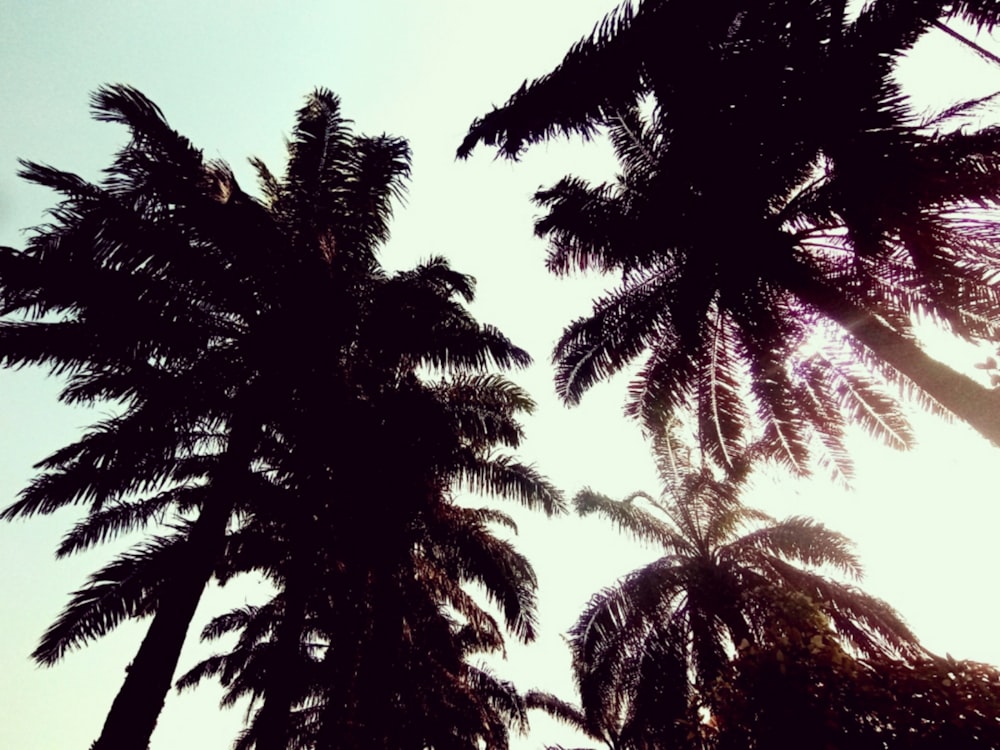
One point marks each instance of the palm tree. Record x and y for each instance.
(782, 195)
(134, 291)
(170, 294)
(648, 649)
(376, 665)
(573, 716)
(369, 564)
(352, 539)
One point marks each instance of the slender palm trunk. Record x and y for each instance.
(135, 710)
(273, 723)
(961, 395)
(341, 727)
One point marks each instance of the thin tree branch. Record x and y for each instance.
(979, 50)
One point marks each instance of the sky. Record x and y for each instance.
(230, 75)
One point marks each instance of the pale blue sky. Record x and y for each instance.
(229, 75)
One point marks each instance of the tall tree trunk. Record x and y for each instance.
(971, 402)
(135, 710)
(343, 724)
(273, 724)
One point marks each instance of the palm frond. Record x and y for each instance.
(505, 477)
(118, 457)
(630, 518)
(800, 540)
(558, 709)
(599, 74)
(721, 413)
(595, 348)
(125, 588)
(507, 577)
(151, 135)
(381, 170)
(237, 619)
(127, 515)
(587, 228)
(865, 622)
(483, 408)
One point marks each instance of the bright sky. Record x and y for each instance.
(229, 75)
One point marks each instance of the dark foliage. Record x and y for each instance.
(780, 216)
(649, 651)
(803, 690)
(274, 414)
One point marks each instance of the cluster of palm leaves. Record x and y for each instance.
(654, 655)
(281, 407)
(780, 217)
(781, 220)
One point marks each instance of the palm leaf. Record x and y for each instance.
(598, 74)
(125, 588)
(801, 540)
(504, 477)
(125, 516)
(630, 518)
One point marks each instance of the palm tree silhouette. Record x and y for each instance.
(383, 656)
(139, 290)
(845, 213)
(370, 625)
(648, 650)
(225, 331)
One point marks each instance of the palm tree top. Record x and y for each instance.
(648, 649)
(268, 369)
(774, 229)
(646, 47)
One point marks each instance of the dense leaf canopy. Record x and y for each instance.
(780, 217)
(264, 370)
(649, 650)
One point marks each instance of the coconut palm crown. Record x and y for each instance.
(776, 193)
(647, 650)
(260, 364)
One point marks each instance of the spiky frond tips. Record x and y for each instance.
(649, 650)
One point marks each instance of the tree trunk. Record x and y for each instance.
(971, 402)
(343, 724)
(136, 708)
(273, 723)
